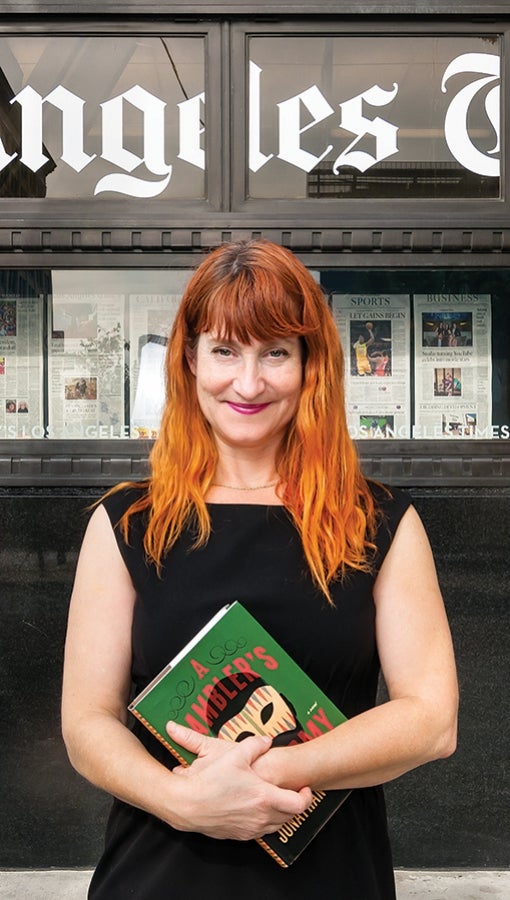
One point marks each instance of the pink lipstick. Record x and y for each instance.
(248, 409)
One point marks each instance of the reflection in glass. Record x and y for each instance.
(16, 179)
(150, 388)
(21, 352)
(107, 336)
(374, 117)
(457, 361)
(108, 117)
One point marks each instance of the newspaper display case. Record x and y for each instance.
(85, 362)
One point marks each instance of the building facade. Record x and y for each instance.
(372, 140)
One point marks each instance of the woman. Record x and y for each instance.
(255, 495)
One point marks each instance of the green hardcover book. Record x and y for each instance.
(234, 680)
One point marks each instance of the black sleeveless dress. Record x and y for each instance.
(254, 556)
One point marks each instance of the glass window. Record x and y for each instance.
(21, 353)
(85, 117)
(426, 352)
(106, 334)
(374, 117)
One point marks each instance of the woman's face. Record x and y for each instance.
(247, 392)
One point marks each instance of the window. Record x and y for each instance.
(102, 117)
(426, 352)
(81, 351)
(348, 116)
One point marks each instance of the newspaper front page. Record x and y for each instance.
(86, 367)
(21, 368)
(453, 368)
(375, 333)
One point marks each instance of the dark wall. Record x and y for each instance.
(453, 813)
(456, 812)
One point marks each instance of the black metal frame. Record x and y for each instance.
(84, 463)
(88, 223)
(399, 212)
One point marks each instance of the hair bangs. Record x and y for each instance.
(251, 306)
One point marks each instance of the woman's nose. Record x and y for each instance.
(248, 381)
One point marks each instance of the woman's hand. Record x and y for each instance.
(221, 795)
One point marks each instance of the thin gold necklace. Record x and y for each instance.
(236, 487)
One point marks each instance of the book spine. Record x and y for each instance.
(160, 738)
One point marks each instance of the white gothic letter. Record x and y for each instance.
(190, 129)
(456, 124)
(72, 127)
(353, 120)
(290, 131)
(153, 110)
(5, 159)
(257, 159)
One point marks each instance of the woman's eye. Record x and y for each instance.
(222, 351)
(278, 353)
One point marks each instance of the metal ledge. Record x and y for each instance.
(189, 8)
(18, 243)
(455, 463)
(71, 463)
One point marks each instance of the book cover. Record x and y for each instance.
(234, 680)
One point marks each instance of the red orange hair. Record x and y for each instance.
(259, 290)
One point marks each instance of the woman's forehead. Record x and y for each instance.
(212, 337)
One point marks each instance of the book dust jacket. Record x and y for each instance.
(233, 680)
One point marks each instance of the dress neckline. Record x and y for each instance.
(245, 505)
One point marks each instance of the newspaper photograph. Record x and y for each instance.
(21, 368)
(86, 366)
(453, 369)
(375, 334)
(150, 319)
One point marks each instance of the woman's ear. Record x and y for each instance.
(190, 358)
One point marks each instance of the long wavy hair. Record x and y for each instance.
(257, 290)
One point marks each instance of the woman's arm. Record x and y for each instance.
(418, 723)
(222, 796)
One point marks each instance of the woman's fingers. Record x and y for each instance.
(224, 797)
(203, 745)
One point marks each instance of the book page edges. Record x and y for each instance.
(182, 653)
(272, 853)
(160, 738)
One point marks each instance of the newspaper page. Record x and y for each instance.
(150, 319)
(375, 333)
(86, 366)
(21, 368)
(453, 369)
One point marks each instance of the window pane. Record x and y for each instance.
(108, 334)
(374, 117)
(107, 117)
(21, 353)
(426, 352)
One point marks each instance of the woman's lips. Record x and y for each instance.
(248, 409)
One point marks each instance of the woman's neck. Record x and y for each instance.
(263, 494)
